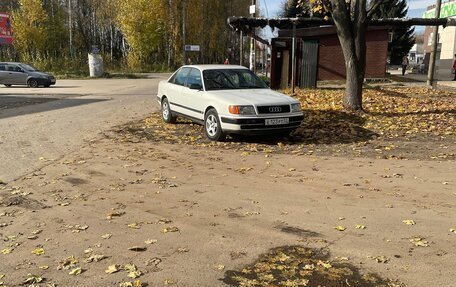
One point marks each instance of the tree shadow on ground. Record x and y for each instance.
(11, 106)
(321, 127)
(318, 127)
(301, 266)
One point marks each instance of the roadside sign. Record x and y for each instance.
(252, 9)
(95, 49)
(6, 33)
(192, 48)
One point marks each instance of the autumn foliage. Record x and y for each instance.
(401, 123)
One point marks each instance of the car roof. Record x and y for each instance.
(215, 67)
(9, 63)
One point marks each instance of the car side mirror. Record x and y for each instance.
(195, 87)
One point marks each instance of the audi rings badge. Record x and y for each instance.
(275, 109)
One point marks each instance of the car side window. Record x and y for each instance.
(2, 67)
(10, 68)
(180, 77)
(194, 77)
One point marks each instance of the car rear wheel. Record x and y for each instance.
(7, 85)
(212, 126)
(32, 83)
(167, 115)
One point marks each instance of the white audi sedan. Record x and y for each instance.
(227, 99)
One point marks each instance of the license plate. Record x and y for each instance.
(275, 122)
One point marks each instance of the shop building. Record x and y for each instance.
(319, 56)
(446, 48)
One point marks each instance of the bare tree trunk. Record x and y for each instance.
(354, 86)
(351, 23)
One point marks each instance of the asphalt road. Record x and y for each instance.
(40, 125)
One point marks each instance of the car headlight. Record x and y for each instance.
(295, 108)
(242, 110)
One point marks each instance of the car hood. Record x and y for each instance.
(41, 74)
(253, 97)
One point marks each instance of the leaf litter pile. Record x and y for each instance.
(399, 123)
(296, 266)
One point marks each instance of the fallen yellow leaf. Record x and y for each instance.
(409, 222)
(170, 229)
(134, 225)
(112, 269)
(134, 274)
(75, 271)
(168, 282)
(106, 236)
(219, 267)
(130, 267)
(32, 279)
(38, 251)
(150, 241)
(419, 242)
(340, 228)
(324, 264)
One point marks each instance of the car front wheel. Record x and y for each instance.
(212, 126)
(167, 115)
(32, 83)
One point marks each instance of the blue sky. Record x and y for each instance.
(416, 7)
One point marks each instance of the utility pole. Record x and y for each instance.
(435, 40)
(293, 60)
(241, 50)
(70, 23)
(184, 14)
(252, 40)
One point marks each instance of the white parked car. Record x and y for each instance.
(227, 99)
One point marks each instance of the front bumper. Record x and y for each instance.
(46, 82)
(258, 124)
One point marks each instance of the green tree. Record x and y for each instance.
(142, 33)
(141, 22)
(30, 23)
(56, 32)
(403, 37)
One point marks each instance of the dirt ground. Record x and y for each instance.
(233, 213)
(347, 200)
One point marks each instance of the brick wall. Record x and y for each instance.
(331, 64)
(428, 31)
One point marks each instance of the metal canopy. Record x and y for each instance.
(248, 24)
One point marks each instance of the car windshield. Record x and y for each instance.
(232, 79)
(27, 68)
